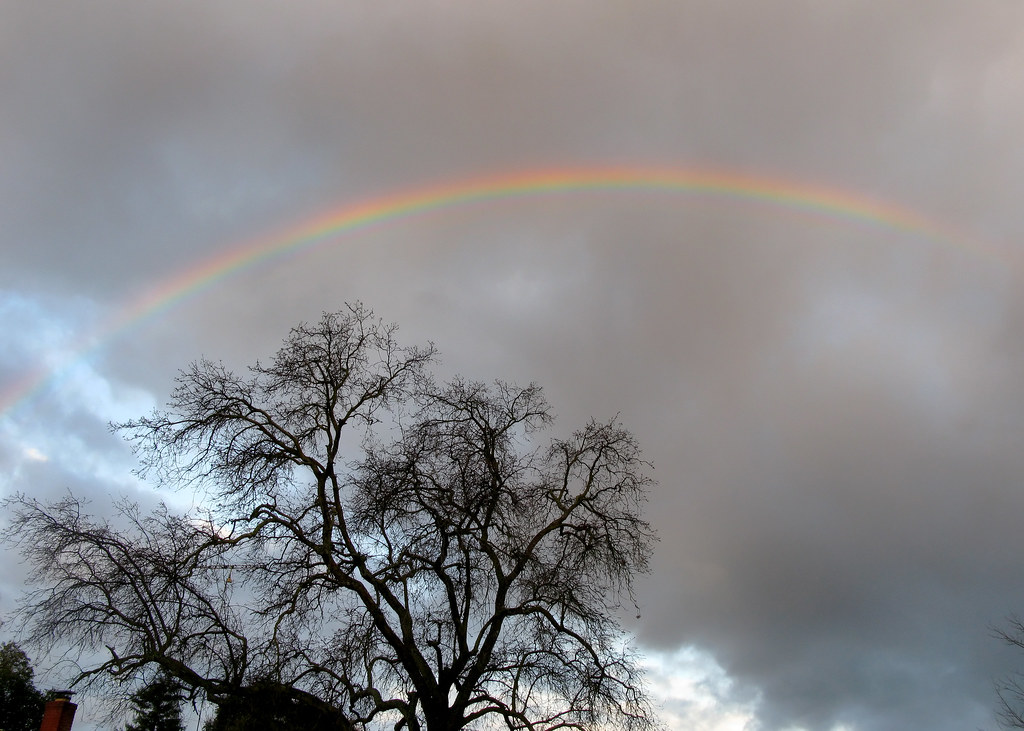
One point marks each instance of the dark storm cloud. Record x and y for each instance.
(833, 408)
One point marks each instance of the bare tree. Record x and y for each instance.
(377, 549)
(1011, 690)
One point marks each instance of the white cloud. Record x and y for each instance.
(34, 455)
(62, 422)
(696, 694)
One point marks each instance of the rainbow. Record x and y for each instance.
(350, 217)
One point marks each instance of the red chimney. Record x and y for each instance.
(59, 713)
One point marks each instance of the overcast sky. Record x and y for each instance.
(834, 407)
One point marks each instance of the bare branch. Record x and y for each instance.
(458, 572)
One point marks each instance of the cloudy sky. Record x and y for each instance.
(833, 403)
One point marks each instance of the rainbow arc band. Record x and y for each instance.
(822, 200)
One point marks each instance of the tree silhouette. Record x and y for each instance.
(21, 704)
(157, 705)
(267, 707)
(376, 548)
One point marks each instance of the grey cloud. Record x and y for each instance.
(832, 407)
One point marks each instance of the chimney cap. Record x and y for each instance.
(62, 694)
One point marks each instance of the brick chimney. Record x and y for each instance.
(59, 713)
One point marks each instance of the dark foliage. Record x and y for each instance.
(157, 705)
(266, 706)
(21, 704)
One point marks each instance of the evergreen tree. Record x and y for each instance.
(21, 704)
(267, 707)
(158, 706)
